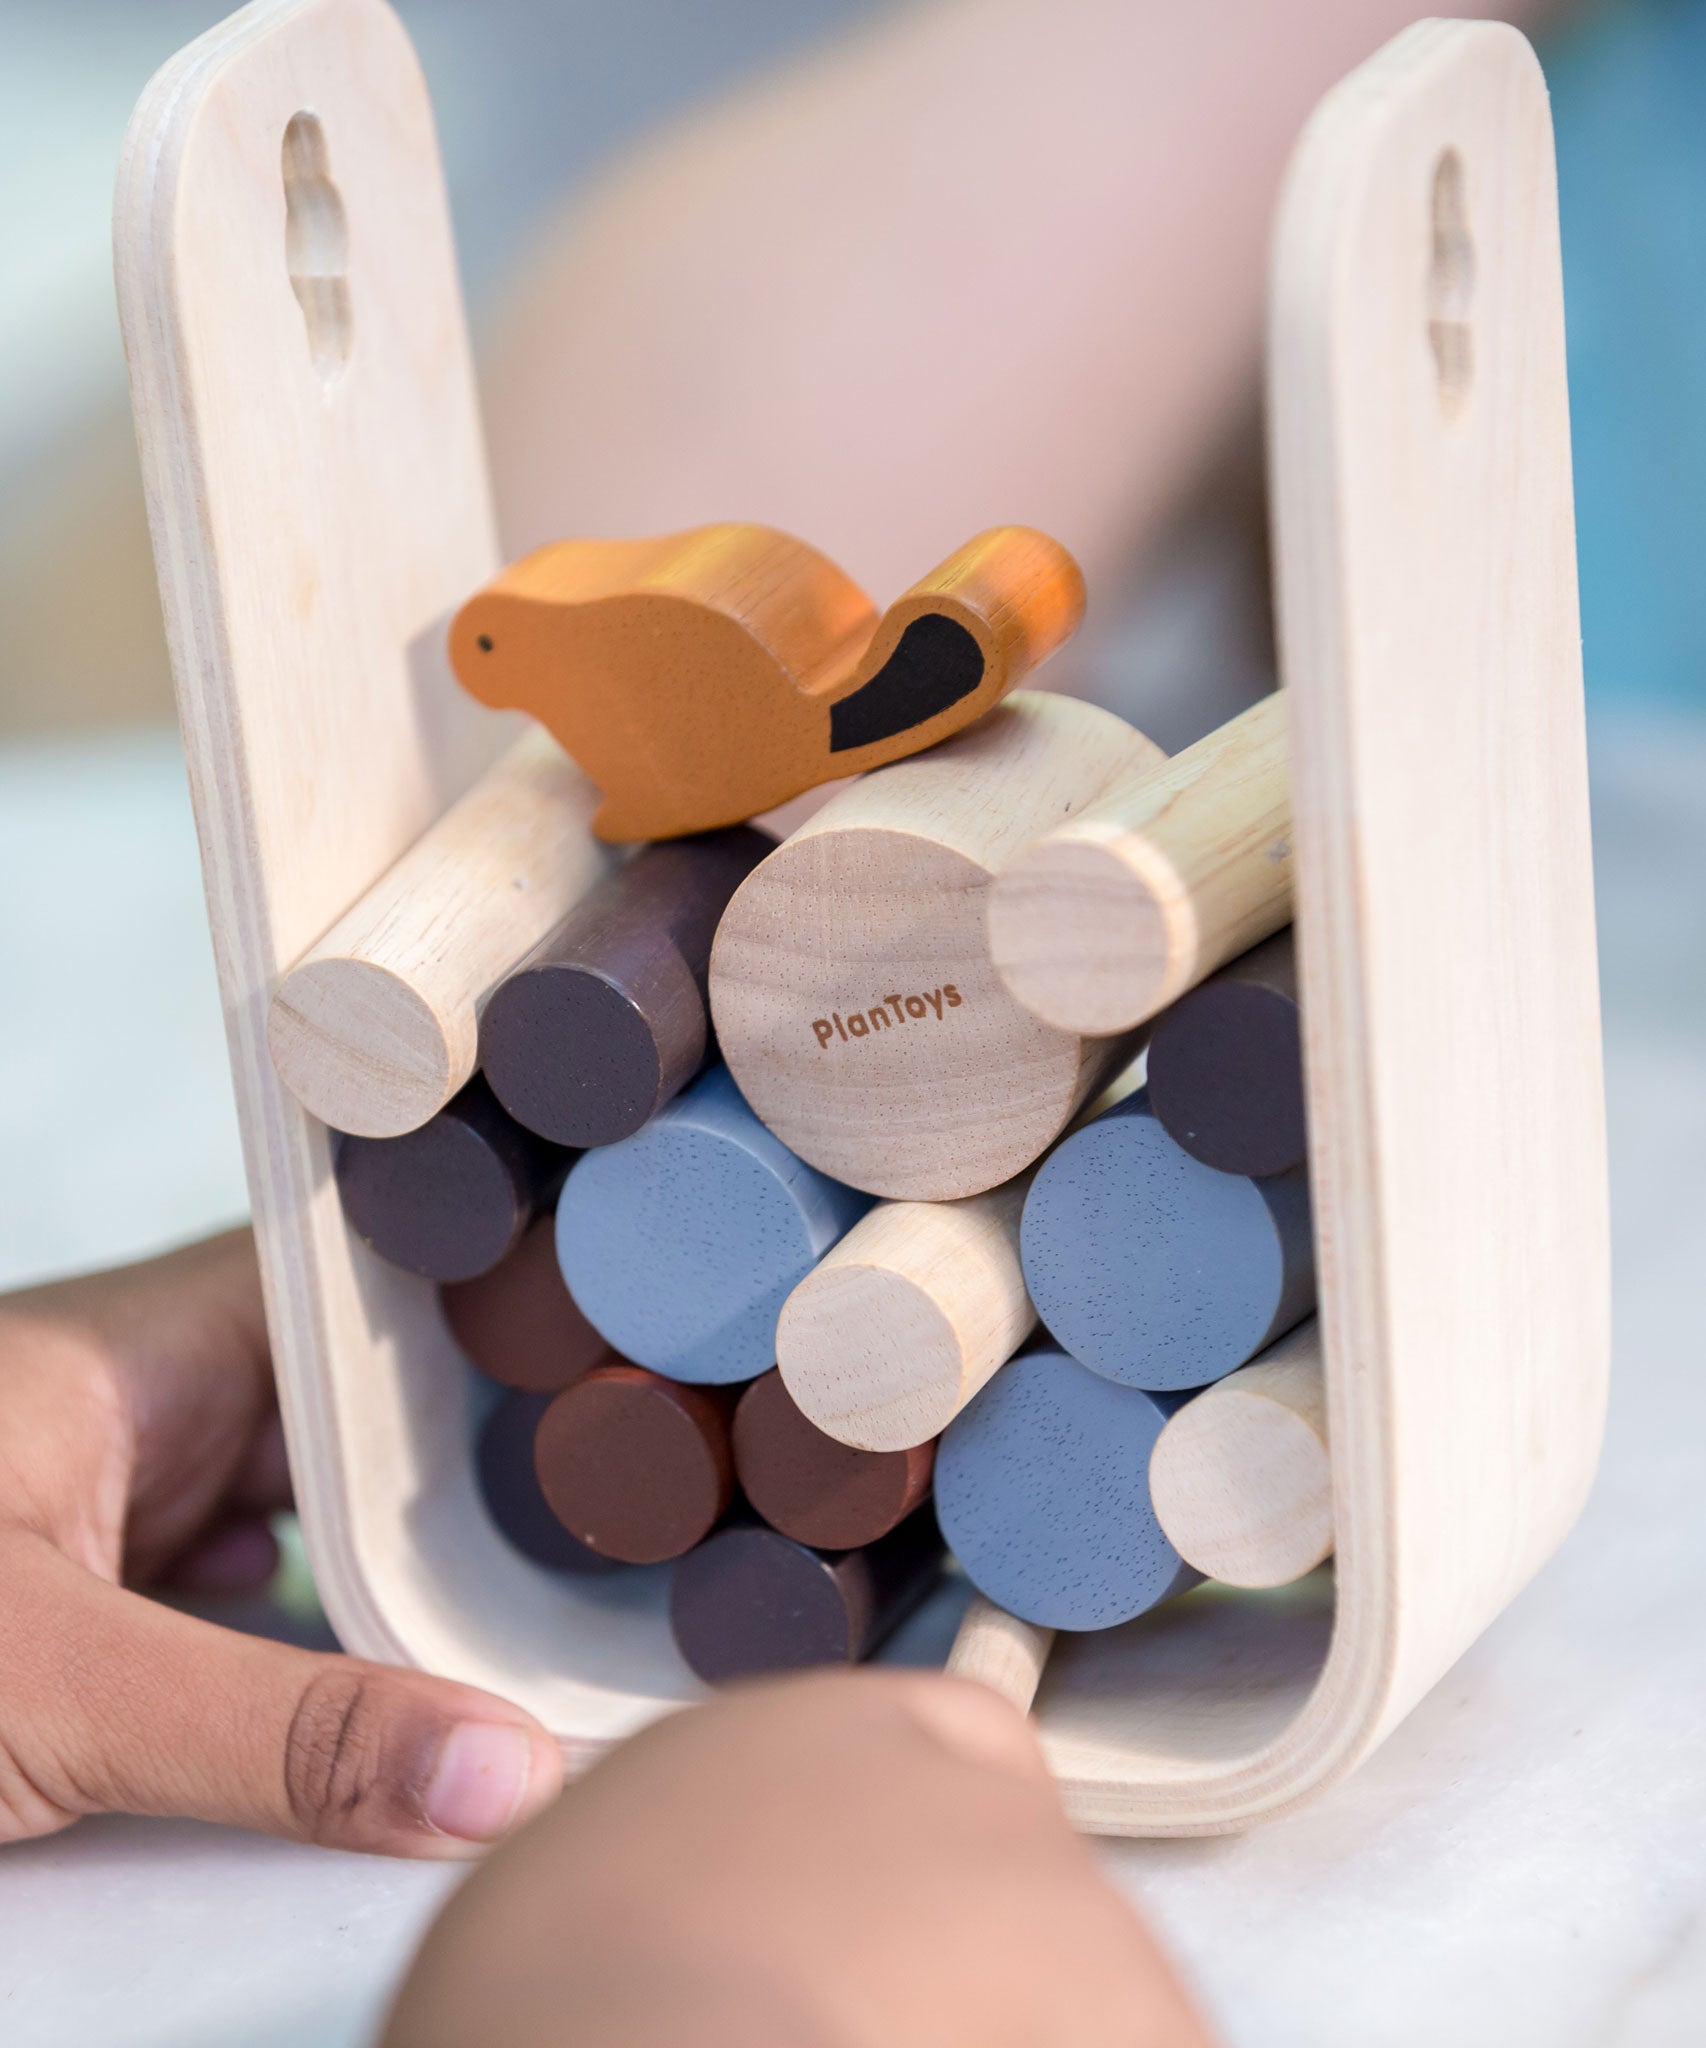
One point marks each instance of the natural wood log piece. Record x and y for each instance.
(1241, 1479)
(518, 1323)
(851, 984)
(704, 677)
(750, 1600)
(1042, 1488)
(375, 1028)
(1113, 915)
(1000, 1651)
(452, 1199)
(814, 1488)
(605, 1020)
(1154, 1269)
(1226, 1065)
(898, 1326)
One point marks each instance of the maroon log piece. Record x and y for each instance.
(751, 1600)
(1226, 1066)
(519, 1323)
(503, 1470)
(605, 1020)
(450, 1200)
(636, 1466)
(814, 1489)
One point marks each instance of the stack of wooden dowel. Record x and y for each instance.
(932, 1181)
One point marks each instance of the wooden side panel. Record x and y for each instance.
(318, 498)
(1451, 999)
(1424, 539)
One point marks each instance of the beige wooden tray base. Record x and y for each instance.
(318, 499)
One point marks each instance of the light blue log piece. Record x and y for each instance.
(1154, 1269)
(1042, 1491)
(681, 1243)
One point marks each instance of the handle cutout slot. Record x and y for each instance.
(316, 245)
(1451, 288)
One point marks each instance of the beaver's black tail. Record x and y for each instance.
(936, 662)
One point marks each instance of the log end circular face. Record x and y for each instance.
(751, 1601)
(571, 1056)
(813, 1488)
(634, 1466)
(1226, 1077)
(1042, 1491)
(361, 1049)
(682, 1243)
(1081, 937)
(509, 1486)
(1154, 1269)
(444, 1201)
(869, 1357)
(1243, 1489)
(857, 1006)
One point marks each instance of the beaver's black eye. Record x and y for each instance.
(484, 643)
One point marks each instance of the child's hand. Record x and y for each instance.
(139, 1440)
(858, 1860)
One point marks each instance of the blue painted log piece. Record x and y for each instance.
(682, 1243)
(1155, 1270)
(1042, 1492)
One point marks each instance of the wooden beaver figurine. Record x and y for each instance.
(706, 676)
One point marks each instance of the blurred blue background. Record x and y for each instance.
(1628, 88)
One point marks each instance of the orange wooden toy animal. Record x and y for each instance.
(706, 676)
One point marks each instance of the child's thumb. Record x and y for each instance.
(112, 1702)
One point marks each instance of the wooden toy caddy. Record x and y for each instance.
(319, 504)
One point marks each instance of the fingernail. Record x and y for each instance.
(480, 1780)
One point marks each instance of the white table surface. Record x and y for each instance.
(1523, 1862)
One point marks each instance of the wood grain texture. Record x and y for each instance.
(682, 1243)
(1042, 1491)
(376, 1027)
(1226, 1065)
(1241, 1478)
(509, 1487)
(1000, 1651)
(898, 1326)
(519, 1324)
(750, 1600)
(1108, 918)
(851, 985)
(451, 1200)
(703, 677)
(1430, 643)
(318, 506)
(1154, 1269)
(814, 1488)
(635, 1466)
(605, 1021)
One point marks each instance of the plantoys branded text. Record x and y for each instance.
(707, 676)
(932, 1002)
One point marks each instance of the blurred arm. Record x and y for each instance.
(992, 260)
